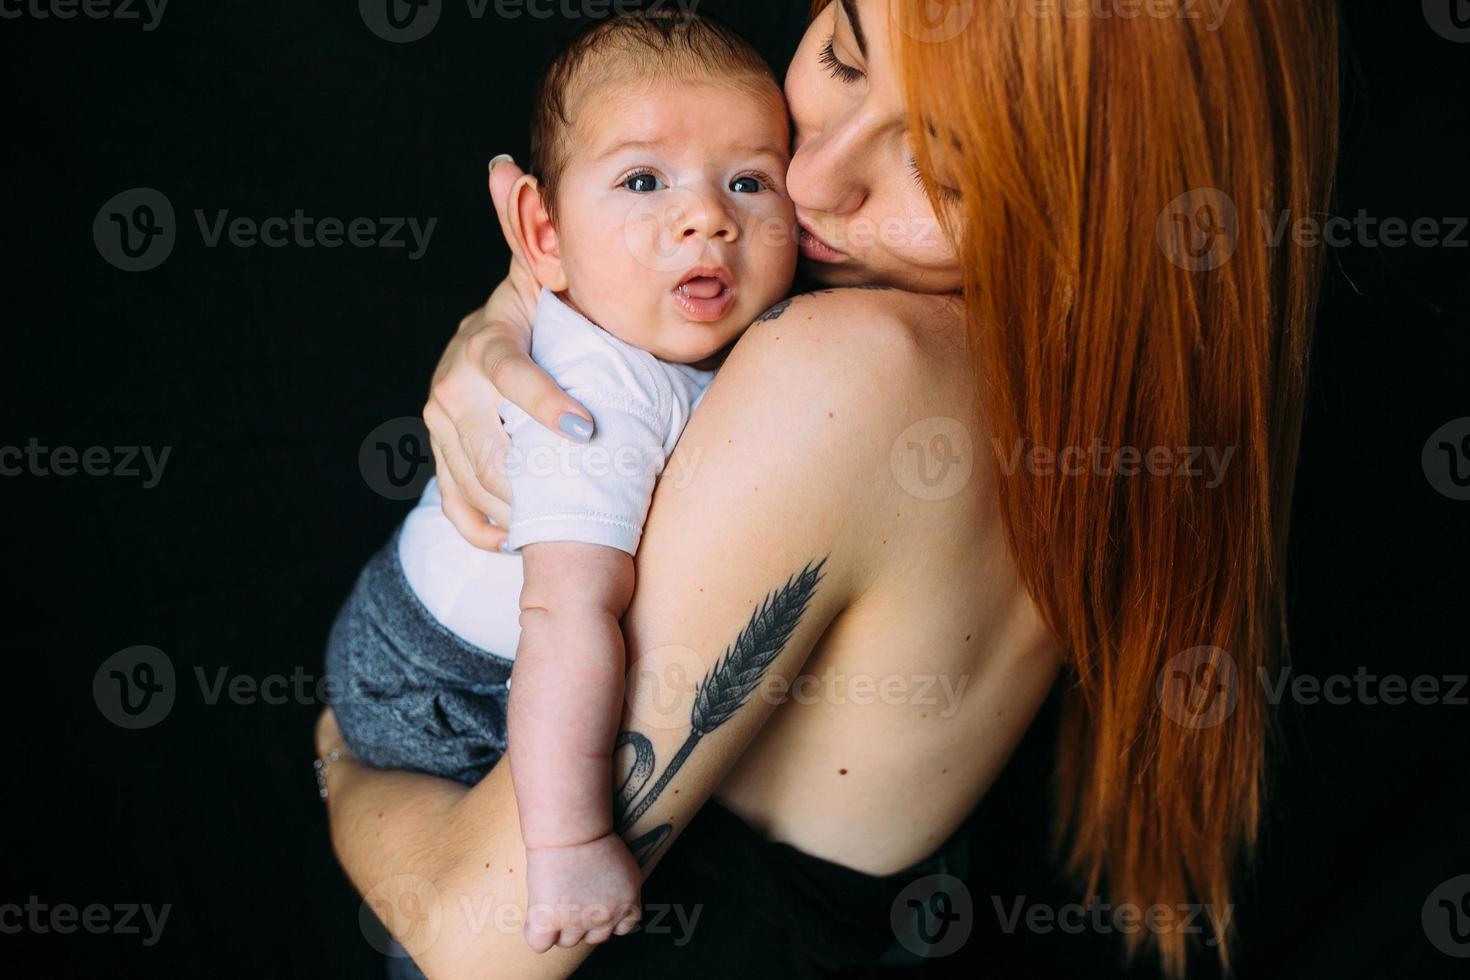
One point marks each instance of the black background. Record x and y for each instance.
(264, 370)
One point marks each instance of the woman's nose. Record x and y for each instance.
(827, 174)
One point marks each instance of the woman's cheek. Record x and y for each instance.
(804, 88)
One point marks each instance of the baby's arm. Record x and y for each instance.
(565, 701)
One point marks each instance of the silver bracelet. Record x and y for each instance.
(322, 766)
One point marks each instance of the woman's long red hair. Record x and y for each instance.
(1097, 161)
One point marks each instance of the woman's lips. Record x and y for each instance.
(815, 249)
(704, 299)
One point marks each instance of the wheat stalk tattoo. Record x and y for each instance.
(721, 693)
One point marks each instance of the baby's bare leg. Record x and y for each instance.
(565, 701)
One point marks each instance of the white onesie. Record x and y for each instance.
(596, 493)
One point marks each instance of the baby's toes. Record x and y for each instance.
(538, 936)
(628, 922)
(600, 934)
(570, 936)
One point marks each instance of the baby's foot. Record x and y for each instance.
(582, 893)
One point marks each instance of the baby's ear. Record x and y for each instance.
(534, 234)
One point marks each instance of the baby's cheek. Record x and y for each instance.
(776, 256)
(614, 264)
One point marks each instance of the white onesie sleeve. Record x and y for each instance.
(596, 493)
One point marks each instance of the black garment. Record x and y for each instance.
(764, 910)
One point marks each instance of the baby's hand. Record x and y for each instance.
(582, 893)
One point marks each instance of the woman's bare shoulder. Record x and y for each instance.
(865, 312)
(836, 338)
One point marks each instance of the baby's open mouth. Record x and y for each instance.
(705, 294)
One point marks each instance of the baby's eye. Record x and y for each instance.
(643, 183)
(747, 185)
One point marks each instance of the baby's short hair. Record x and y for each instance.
(674, 45)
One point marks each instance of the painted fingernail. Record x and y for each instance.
(505, 548)
(576, 427)
(503, 158)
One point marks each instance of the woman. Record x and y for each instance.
(974, 481)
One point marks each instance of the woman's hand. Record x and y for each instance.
(489, 358)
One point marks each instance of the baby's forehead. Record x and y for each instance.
(672, 114)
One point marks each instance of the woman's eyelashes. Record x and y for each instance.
(835, 66)
(945, 193)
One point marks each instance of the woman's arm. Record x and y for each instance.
(759, 535)
(489, 357)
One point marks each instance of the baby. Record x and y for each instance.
(658, 225)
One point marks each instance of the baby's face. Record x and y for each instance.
(673, 224)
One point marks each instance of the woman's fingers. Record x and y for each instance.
(469, 522)
(474, 447)
(455, 467)
(524, 384)
(504, 172)
(498, 512)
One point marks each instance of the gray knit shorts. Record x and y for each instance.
(412, 694)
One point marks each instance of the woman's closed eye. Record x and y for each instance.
(946, 193)
(835, 66)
